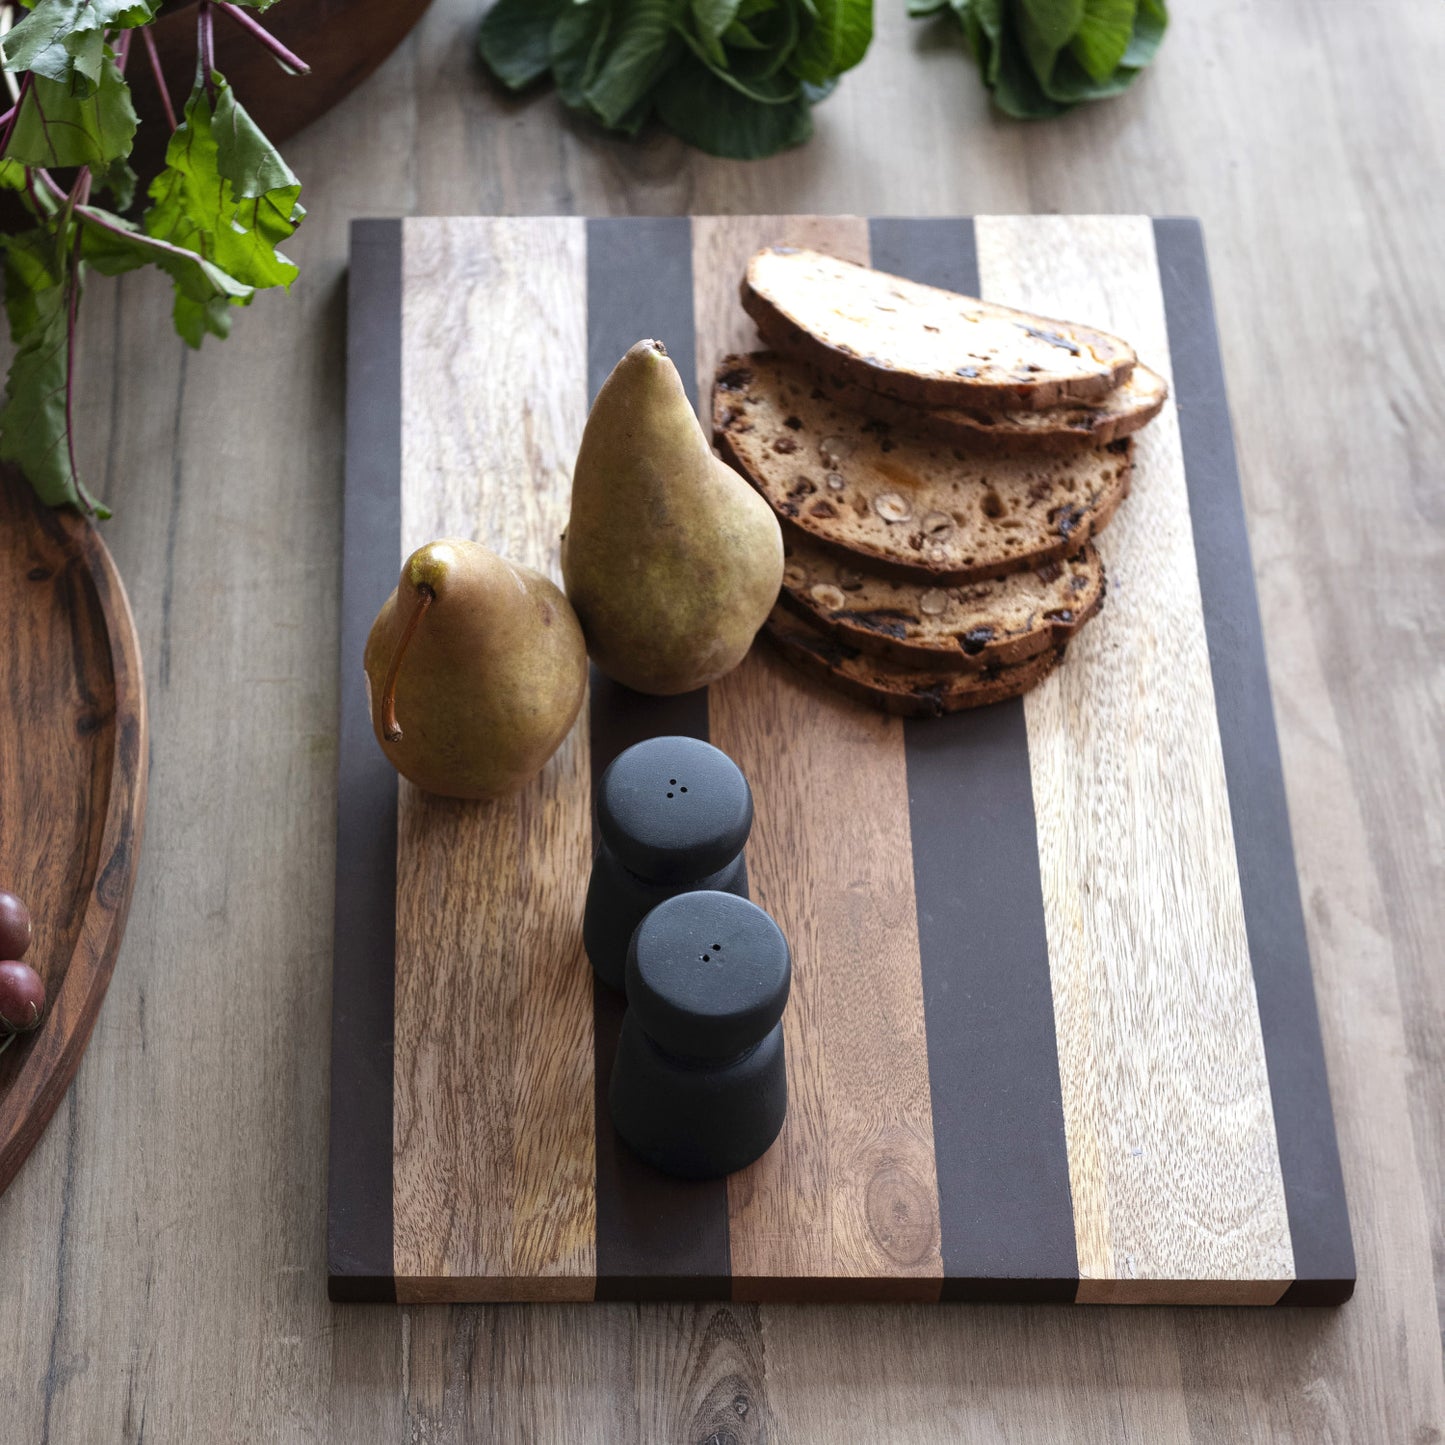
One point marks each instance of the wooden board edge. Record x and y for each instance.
(359, 1188)
(1304, 1124)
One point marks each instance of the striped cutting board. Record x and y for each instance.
(1052, 1034)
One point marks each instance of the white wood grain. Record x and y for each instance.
(1172, 1156)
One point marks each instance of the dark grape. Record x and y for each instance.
(22, 997)
(14, 926)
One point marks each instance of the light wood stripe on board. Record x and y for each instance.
(848, 1195)
(1173, 1162)
(494, 1137)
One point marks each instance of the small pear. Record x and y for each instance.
(475, 669)
(671, 559)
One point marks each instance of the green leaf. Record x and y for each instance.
(1070, 83)
(119, 180)
(1149, 28)
(31, 269)
(738, 35)
(33, 430)
(713, 17)
(715, 117)
(1052, 22)
(578, 40)
(112, 245)
(63, 39)
(1017, 90)
(1030, 74)
(837, 40)
(227, 195)
(639, 52)
(919, 9)
(57, 126)
(515, 39)
(1103, 36)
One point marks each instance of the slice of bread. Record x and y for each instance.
(923, 345)
(1135, 402)
(966, 627)
(905, 691)
(914, 507)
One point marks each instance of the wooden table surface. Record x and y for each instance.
(163, 1248)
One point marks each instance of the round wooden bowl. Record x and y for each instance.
(73, 756)
(343, 41)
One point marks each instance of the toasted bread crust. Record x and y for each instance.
(1056, 430)
(902, 691)
(964, 628)
(913, 509)
(923, 345)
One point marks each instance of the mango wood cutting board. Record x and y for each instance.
(1052, 1033)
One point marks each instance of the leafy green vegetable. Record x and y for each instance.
(63, 40)
(716, 117)
(516, 40)
(1042, 57)
(61, 123)
(220, 208)
(735, 78)
(34, 428)
(228, 196)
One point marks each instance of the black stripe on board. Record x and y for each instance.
(656, 1237)
(1274, 918)
(359, 1206)
(1005, 1211)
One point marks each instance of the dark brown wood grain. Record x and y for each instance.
(73, 760)
(342, 41)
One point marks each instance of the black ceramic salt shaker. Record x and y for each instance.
(699, 1087)
(673, 815)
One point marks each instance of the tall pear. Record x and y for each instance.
(475, 668)
(670, 558)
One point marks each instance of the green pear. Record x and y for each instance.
(475, 670)
(670, 558)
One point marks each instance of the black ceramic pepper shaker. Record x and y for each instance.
(673, 815)
(699, 1087)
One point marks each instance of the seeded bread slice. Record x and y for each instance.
(966, 627)
(1135, 402)
(923, 345)
(915, 508)
(905, 691)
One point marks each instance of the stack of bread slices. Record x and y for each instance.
(940, 466)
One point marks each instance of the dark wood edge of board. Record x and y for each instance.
(1269, 880)
(47, 1072)
(360, 1246)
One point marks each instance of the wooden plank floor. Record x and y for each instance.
(164, 1244)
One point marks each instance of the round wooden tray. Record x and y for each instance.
(73, 763)
(342, 41)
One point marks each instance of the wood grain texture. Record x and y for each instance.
(849, 1190)
(72, 806)
(1173, 1163)
(342, 41)
(494, 1178)
(172, 1292)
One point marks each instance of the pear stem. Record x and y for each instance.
(390, 728)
